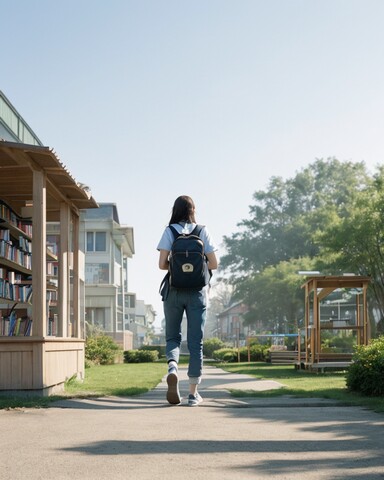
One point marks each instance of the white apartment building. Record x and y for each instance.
(108, 303)
(108, 246)
(139, 319)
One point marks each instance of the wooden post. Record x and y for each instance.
(76, 278)
(64, 270)
(299, 348)
(306, 321)
(366, 327)
(316, 324)
(39, 266)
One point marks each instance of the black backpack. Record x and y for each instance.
(188, 267)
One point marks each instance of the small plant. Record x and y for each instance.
(140, 356)
(366, 373)
(71, 381)
(101, 350)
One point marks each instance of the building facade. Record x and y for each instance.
(108, 246)
(230, 326)
(13, 127)
(139, 320)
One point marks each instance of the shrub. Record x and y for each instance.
(225, 354)
(366, 373)
(338, 344)
(140, 356)
(258, 353)
(211, 345)
(101, 350)
(159, 348)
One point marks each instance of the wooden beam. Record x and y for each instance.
(64, 270)
(39, 277)
(76, 278)
(324, 293)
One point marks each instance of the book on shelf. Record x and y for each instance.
(15, 291)
(15, 254)
(14, 326)
(9, 216)
(4, 325)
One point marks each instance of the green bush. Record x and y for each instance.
(225, 354)
(140, 356)
(366, 373)
(338, 344)
(159, 348)
(101, 349)
(211, 345)
(258, 353)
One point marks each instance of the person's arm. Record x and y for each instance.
(163, 260)
(212, 261)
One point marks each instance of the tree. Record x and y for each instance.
(275, 297)
(284, 218)
(355, 243)
(283, 235)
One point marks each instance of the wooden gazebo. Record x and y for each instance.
(35, 189)
(317, 289)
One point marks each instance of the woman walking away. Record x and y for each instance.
(187, 252)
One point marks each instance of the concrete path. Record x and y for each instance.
(224, 438)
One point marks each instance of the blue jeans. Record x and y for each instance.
(194, 304)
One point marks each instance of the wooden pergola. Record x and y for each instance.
(317, 288)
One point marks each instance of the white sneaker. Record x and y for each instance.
(194, 400)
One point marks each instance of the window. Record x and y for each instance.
(95, 316)
(130, 300)
(96, 273)
(96, 241)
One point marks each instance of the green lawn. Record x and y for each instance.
(301, 383)
(124, 379)
(118, 380)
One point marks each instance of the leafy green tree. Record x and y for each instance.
(282, 236)
(284, 218)
(355, 243)
(275, 297)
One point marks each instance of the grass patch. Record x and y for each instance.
(30, 401)
(302, 383)
(126, 379)
(123, 379)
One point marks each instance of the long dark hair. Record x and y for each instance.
(183, 210)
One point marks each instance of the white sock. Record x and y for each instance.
(172, 367)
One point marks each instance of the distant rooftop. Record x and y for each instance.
(13, 127)
(106, 211)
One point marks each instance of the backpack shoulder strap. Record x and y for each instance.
(176, 234)
(197, 230)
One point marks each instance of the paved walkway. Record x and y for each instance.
(144, 438)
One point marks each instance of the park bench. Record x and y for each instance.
(284, 357)
(332, 360)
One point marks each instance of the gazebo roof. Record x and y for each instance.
(325, 285)
(17, 163)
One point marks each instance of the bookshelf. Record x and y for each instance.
(15, 273)
(41, 337)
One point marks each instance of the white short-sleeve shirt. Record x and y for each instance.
(166, 240)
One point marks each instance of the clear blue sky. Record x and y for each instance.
(146, 100)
